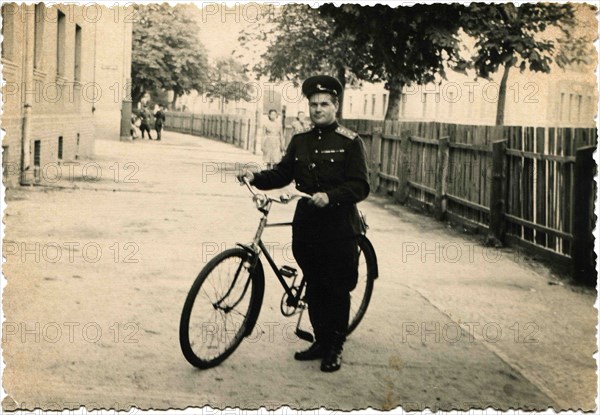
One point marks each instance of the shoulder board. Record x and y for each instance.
(304, 130)
(346, 132)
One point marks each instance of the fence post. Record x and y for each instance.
(497, 194)
(257, 131)
(403, 191)
(375, 156)
(441, 176)
(582, 216)
(192, 124)
(243, 143)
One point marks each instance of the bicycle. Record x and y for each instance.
(224, 302)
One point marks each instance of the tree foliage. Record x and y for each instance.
(509, 36)
(301, 43)
(228, 81)
(401, 46)
(167, 53)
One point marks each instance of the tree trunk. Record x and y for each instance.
(174, 100)
(393, 109)
(136, 96)
(502, 95)
(341, 74)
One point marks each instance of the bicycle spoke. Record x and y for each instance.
(218, 316)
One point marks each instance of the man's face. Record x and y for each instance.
(322, 109)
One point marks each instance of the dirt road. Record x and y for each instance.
(100, 259)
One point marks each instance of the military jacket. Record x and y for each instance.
(327, 159)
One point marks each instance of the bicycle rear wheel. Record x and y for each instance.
(221, 308)
(367, 272)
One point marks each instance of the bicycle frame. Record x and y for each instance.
(257, 246)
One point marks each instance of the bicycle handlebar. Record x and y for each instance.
(283, 198)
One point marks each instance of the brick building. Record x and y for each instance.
(58, 67)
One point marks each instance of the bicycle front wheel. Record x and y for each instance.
(221, 308)
(367, 272)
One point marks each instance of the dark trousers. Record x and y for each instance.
(331, 271)
(145, 127)
(158, 128)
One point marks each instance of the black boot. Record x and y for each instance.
(332, 360)
(315, 351)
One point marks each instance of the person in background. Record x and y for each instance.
(159, 120)
(135, 124)
(272, 140)
(145, 122)
(299, 125)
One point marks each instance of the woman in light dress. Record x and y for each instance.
(272, 140)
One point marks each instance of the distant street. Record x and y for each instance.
(101, 256)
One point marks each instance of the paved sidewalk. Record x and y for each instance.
(451, 324)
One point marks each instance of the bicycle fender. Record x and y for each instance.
(250, 251)
(258, 285)
(367, 245)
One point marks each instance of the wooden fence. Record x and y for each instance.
(238, 130)
(527, 186)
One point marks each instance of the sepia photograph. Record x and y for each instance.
(307, 208)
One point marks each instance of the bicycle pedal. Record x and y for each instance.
(305, 335)
(288, 271)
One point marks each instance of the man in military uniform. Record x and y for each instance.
(328, 162)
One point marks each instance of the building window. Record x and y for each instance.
(579, 104)
(350, 104)
(60, 148)
(38, 37)
(561, 107)
(60, 43)
(384, 106)
(9, 11)
(365, 103)
(373, 98)
(37, 162)
(425, 97)
(77, 150)
(4, 161)
(77, 71)
(571, 107)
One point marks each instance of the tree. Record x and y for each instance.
(401, 46)
(508, 36)
(301, 43)
(167, 53)
(228, 81)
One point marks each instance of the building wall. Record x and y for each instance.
(560, 98)
(49, 59)
(113, 68)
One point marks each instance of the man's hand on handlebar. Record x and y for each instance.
(247, 174)
(319, 199)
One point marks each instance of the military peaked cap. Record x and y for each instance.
(322, 84)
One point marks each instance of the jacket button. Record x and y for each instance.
(317, 151)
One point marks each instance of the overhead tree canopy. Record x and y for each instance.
(508, 36)
(301, 43)
(401, 46)
(167, 52)
(228, 81)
